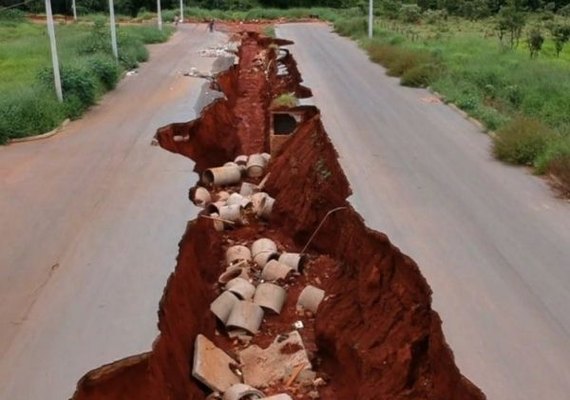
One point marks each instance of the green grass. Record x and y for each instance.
(465, 62)
(28, 104)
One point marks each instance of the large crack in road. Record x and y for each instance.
(374, 335)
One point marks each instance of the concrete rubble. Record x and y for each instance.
(212, 366)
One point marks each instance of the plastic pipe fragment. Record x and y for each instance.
(310, 298)
(270, 296)
(241, 391)
(247, 316)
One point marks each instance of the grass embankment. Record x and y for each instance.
(525, 101)
(28, 105)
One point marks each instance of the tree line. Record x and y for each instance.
(467, 8)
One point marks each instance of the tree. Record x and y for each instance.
(535, 42)
(510, 23)
(560, 35)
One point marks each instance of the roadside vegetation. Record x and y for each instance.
(28, 105)
(504, 62)
(507, 66)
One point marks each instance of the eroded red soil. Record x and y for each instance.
(375, 336)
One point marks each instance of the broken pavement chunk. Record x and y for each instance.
(264, 367)
(212, 366)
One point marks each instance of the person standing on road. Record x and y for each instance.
(211, 25)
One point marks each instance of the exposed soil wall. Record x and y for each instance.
(375, 336)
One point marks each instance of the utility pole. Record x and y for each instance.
(74, 10)
(181, 11)
(370, 18)
(159, 15)
(113, 30)
(54, 60)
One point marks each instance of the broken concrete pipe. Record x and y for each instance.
(247, 316)
(233, 213)
(232, 272)
(294, 260)
(264, 250)
(256, 166)
(237, 254)
(236, 198)
(240, 391)
(266, 157)
(247, 189)
(310, 298)
(222, 176)
(262, 204)
(270, 296)
(200, 196)
(241, 288)
(275, 270)
(241, 160)
(222, 306)
(212, 366)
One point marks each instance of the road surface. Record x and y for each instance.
(492, 240)
(91, 221)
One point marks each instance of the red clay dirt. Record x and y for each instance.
(375, 335)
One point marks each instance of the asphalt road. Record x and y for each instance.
(91, 221)
(492, 240)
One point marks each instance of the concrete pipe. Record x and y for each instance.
(232, 272)
(241, 160)
(230, 164)
(218, 225)
(247, 189)
(310, 298)
(247, 316)
(200, 196)
(264, 250)
(221, 176)
(266, 157)
(270, 296)
(294, 260)
(223, 305)
(241, 288)
(236, 198)
(238, 253)
(275, 270)
(255, 166)
(258, 202)
(232, 213)
(265, 211)
(281, 396)
(241, 391)
(222, 196)
(215, 207)
(215, 396)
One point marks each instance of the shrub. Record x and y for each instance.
(418, 76)
(410, 13)
(522, 141)
(31, 111)
(560, 166)
(99, 39)
(286, 100)
(565, 11)
(13, 15)
(78, 86)
(351, 26)
(535, 42)
(511, 22)
(106, 69)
